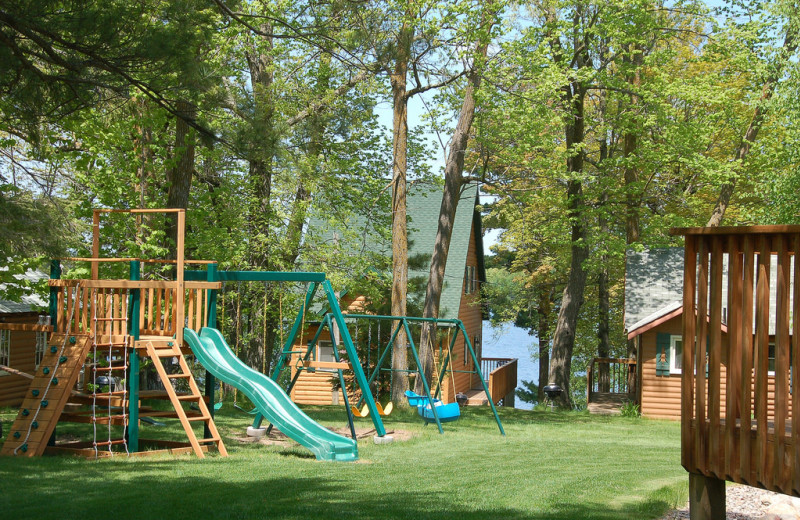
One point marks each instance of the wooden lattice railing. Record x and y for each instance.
(99, 307)
(741, 320)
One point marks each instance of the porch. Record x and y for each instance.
(501, 379)
(610, 384)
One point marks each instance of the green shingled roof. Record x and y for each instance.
(423, 204)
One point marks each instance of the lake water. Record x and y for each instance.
(508, 341)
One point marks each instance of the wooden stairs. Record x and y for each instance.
(166, 349)
(606, 403)
(49, 391)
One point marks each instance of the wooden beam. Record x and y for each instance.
(327, 364)
(133, 259)
(706, 498)
(29, 327)
(738, 230)
(95, 243)
(15, 372)
(133, 284)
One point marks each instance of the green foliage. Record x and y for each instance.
(529, 393)
(630, 409)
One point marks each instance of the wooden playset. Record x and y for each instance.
(106, 327)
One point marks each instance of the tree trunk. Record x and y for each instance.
(545, 308)
(399, 217)
(261, 154)
(750, 135)
(179, 177)
(144, 171)
(603, 297)
(454, 168)
(632, 196)
(572, 298)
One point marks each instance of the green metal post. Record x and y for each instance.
(341, 378)
(55, 274)
(133, 362)
(352, 355)
(421, 375)
(480, 375)
(210, 381)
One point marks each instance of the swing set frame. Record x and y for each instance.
(403, 322)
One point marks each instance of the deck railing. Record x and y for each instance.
(609, 375)
(736, 420)
(502, 374)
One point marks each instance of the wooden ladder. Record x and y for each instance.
(49, 391)
(167, 349)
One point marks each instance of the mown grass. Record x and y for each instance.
(550, 466)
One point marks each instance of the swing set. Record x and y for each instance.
(429, 406)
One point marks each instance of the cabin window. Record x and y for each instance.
(325, 353)
(5, 350)
(771, 357)
(675, 354)
(470, 285)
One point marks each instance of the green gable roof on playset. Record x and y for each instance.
(423, 204)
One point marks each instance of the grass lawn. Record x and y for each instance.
(550, 466)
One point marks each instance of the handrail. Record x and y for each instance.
(131, 259)
(132, 284)
(618, 379)
(503, 379)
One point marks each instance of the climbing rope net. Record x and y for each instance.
(109, 305)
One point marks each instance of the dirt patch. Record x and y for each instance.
(276, 438)
(368, 433)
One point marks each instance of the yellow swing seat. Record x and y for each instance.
(364, 412)
(384, 411)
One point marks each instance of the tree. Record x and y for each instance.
(453, 182)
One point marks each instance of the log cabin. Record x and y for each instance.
(465, 273)
(21, 350)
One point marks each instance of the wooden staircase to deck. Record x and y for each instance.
(606, 403)
(47, 395)
(167, 349)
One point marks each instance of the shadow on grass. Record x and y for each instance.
(47, 488)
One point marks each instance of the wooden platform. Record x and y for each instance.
(477, 397)
(606, 403)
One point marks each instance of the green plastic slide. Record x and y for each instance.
(216, 356)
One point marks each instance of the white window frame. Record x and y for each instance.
(673, 354)
(5, 350)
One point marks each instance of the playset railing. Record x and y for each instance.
(102, 306)
(736, 410)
